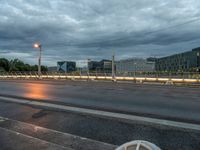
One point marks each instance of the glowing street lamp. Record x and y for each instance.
(38, 45)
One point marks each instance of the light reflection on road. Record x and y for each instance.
(36, 91)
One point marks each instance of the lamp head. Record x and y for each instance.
(37, 45)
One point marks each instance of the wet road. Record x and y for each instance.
(105, 130)
(177, 103)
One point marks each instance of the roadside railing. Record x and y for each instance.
(169, 78)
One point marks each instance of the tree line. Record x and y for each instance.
(17, 65)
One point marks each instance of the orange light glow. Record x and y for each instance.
(36, 91)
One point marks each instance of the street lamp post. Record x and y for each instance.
(113, 66)
(135, 68)
(88, 66)
(38, 45)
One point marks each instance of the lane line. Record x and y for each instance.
(2, 119)
(72, 138)
(34, 138)
(104, 114)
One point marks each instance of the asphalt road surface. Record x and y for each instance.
(110, 131)
(169, 102)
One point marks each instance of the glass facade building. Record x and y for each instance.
(187, 61)
(66, 66)
(102, 66)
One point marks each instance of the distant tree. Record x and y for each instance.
(35, 68)
(27, 67)
(18, 65)
(4, 64)
(44, 68)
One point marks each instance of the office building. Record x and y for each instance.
(135, 65)
(52, 69)
(187, 61)
(66, 66)
(102, 66)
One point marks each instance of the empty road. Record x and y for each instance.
(169, 102)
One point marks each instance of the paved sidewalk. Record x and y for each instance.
(25, 135)
(10, 140)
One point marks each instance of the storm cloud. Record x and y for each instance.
(82, 29)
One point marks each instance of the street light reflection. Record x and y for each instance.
(36, 91)
(37, 128)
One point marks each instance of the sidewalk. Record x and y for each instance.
(16, 135)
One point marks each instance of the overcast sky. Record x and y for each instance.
(82, 29)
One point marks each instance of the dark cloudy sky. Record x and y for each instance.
(82, 29)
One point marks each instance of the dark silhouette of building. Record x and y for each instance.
(52, 69)
(103, 65)
(187, 61)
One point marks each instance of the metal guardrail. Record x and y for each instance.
(136, 77)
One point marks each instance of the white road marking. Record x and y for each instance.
(34, 138)
(2, 119)
(67, 135)
(105, 114)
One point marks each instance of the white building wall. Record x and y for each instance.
(135, 65)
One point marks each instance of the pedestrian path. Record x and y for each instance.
(16, 135)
